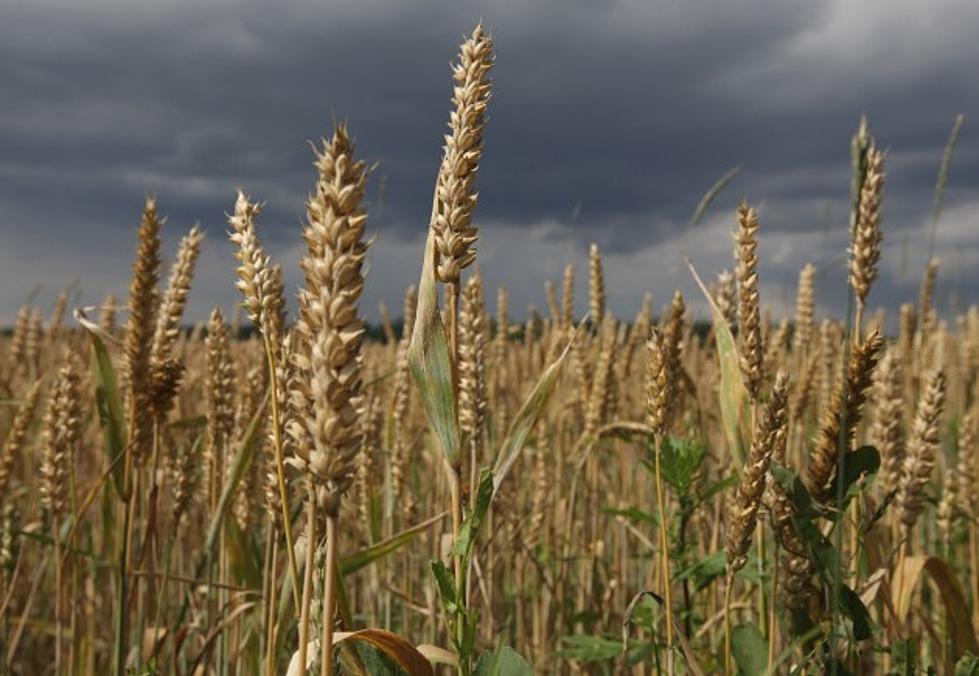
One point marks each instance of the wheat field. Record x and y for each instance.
(280, 491)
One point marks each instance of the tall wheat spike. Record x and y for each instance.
(842, 416)
(140, 327)
(922, 450)
(333, 268)
(887, 430)
(769, 434)
(749, 317)
(473, 400)
(454, 192)
(16, 439)
(567, 297)
(804, 310)
(596, 286)
(867, 236)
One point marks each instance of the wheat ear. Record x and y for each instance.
(842, 416)
(454, 191)
(922, 451)
(333, 268)
(749, 318)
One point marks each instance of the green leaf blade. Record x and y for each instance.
(431, 363)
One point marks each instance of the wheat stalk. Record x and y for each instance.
(333, 332)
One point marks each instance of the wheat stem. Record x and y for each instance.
(281, 475)
(307, 576)
(329, 594)
(664, 544)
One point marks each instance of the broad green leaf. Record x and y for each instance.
(793, 487)
(717, 487)
(864, 460)
(853, 607)
(430, 361)
(468, 646)
(822, 553)
(642, 611)
(750, 650)
(243, 555)
(473, 520)
(109, 405)
(446, 587)
(735, 404)
(375, 515)
(713, 566)
(903, 653)
(527, 417)
(376, 662)
(585, 648)
(353, 562)
(504, 661)
(633, 514)
(148, 668)
(703, 571)
(681, 458)
(968, 665)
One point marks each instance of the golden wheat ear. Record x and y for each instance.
(922, 450)
(769, 434)
(455, 195)
(749, 311)
(867, 236)
(842, 416)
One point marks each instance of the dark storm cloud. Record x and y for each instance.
(629, 110)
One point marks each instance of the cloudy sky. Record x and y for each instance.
(609, 121)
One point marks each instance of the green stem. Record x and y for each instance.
(119, 641)
(162, 594)
(455, 485)
(665, 549)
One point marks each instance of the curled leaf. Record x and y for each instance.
(407, 656)
(904, 582)
(112, 420)
(735, 410)
(430, 361)
(527, 417)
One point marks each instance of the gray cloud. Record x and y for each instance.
(628, 109)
